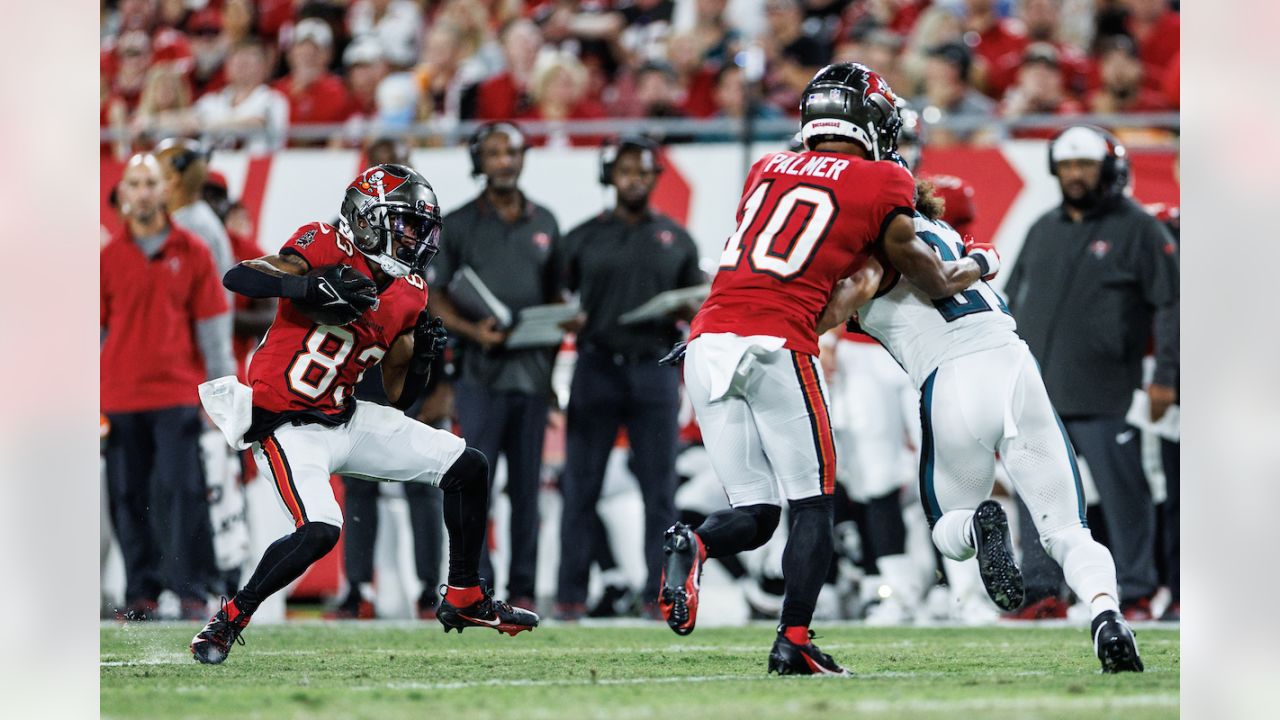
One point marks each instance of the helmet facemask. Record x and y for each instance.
(388, 226)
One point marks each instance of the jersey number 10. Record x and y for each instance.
(820, 205)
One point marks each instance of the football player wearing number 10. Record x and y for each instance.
(305, 426)
(809, 224)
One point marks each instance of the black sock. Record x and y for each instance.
(466, 514)
(807, 558)
(730, 562)
(285, 561)
(739, 529)
(884, 523)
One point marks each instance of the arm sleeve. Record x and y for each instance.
(897, 195)
(1160, 288)
(897, 191)
(1168, 340)
(213, 335)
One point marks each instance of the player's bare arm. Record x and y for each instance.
(395, 367)
(921, 265)
(850, 294)
(407, 366)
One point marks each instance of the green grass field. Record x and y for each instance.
(384, 671)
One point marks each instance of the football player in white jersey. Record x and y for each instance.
(982, 396)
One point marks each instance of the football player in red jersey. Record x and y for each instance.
(808, 225)
(304, 424)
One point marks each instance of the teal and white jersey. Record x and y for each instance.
(921, 333)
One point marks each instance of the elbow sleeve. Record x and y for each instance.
(254, 283)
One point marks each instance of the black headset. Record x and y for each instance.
(483, 132)
(1114, 174)
(189, 151)
(611, 149)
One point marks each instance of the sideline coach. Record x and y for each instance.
(617, 261)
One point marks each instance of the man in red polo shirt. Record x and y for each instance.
(316, 96)
(164, 325)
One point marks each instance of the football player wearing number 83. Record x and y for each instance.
(304, 426)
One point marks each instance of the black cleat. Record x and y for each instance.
(1114, 643)
(1000, 573)
(681, 575)
(212, 644)
(485, 612)
(788, 658)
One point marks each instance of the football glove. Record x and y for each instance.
(985, 255)
(429, 338)
(335, 288)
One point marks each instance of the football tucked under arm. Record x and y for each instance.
(850, 294)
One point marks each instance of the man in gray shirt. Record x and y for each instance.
(1094, 276)
(503, 396)
(185, 165)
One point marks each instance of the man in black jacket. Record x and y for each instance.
(1092, 278)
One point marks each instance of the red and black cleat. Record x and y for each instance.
(788, 658)
(681, 575)
(485, 612)
(212, 644)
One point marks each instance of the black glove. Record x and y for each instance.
(336, 287)
(429, 338)
(676, 356)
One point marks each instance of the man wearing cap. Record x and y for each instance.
(315, 95)
(616, 262)
(1091, 278)
(366, 67)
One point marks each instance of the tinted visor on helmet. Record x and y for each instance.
(423, 229)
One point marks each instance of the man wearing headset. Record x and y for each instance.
(502, 396)
(1092, 277)
(616, 262)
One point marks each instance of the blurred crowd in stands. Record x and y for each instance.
(227, 68)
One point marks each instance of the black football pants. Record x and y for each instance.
(159, 503)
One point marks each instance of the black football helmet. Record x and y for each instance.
(385, 204)
(852, 102)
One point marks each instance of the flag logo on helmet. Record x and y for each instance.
(376, 183)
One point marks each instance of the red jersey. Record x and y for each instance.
(805, 221)
(149, 308)
(305, 367)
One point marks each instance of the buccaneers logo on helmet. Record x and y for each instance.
(376, 182)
